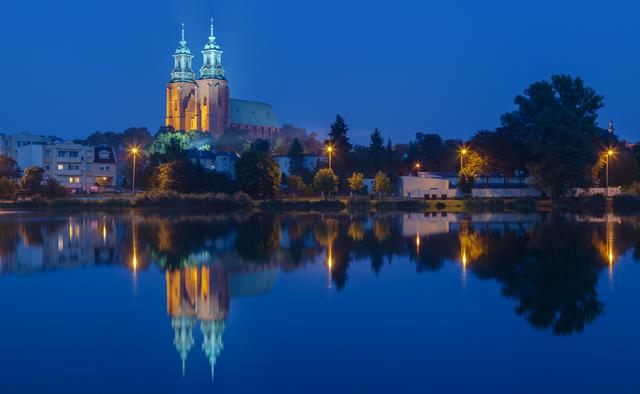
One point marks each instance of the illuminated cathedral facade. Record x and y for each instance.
(205, 103)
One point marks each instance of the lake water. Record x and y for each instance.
(401, 303)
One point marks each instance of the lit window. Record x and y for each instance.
(70, 180)
(76, 179)
(60, 167)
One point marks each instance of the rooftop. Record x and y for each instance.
(252, 113)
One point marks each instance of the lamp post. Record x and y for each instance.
(463, 152)
(330, 152)
(417, 167)
(134, 152)
(609, 154)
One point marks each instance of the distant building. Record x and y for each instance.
(10, 144)
(80, 167)
(205, 104)
(443, 185)
(310, 162)
(221, 162)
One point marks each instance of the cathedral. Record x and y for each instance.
(205, 103)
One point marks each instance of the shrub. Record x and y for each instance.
(8, 188)
(52, 189)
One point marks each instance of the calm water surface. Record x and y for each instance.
(406, 303)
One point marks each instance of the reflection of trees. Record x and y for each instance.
(435, 250)
(553, 275)
(8, 238)
(258, 238)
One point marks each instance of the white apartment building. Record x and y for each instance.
(79, 167)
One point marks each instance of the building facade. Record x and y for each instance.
(11, 143)
(221, 162)
(310, 162)
(205, 104)
(80, 167)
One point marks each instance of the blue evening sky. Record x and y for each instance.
(73, 67)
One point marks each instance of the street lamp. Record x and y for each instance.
(417, 166)
(609, 153)
(330, 152)
(134, 152)
(463, 152)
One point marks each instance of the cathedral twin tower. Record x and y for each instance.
(204, 104)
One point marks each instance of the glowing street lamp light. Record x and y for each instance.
(330, 153)
(609, 153)
(417, 166)
(463, 153)
(134, 152)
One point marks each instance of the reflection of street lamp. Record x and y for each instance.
(609, 153)
(134, 152)
(330, 152)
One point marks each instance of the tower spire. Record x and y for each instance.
(182, 71)
(212, 62)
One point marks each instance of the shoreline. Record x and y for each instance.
(241, 202)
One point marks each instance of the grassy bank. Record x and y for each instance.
(242, 202)
(161, 200)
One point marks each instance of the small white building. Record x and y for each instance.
(424, 187)
(310, 162)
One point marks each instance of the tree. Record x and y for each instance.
(473, 165)
(504, 149)
(339, 141)
(175, 176)
(376, 151)
(557, 121)
(258, 174)
(623, 169)
(433, 153)
(53, 189)
(296, 158)
(261, 145)
(296, 184)
(288, 133)
(31, 181)
(138, 136)
(381, 183)
(356, 182)
(325, 181)
(8, 188)
(233, 140)
(9, 168)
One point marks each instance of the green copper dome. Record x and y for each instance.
(182, 71)
(212, 62)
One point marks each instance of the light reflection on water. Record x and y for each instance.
(547, 266)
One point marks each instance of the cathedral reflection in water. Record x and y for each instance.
(202, 295)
